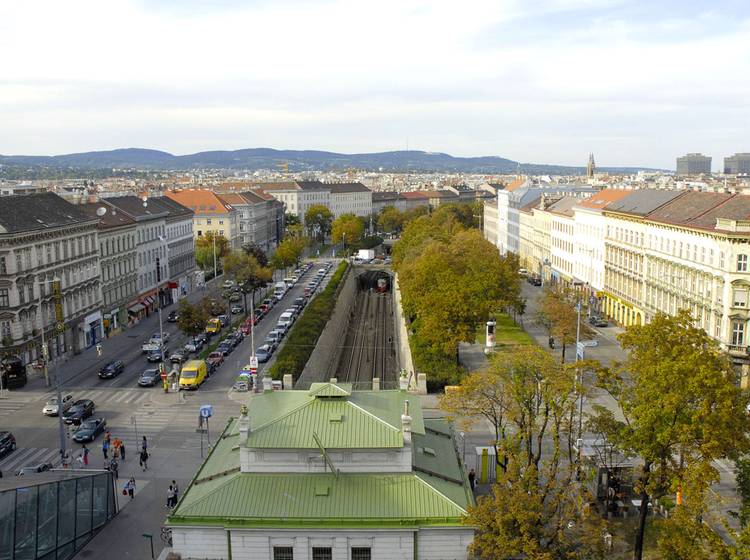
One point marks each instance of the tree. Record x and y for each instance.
(348, 229)
(681, 408)
(205, 249)
(534, 508)
(318, 220)
(191, 319)
(557, 312)
(390, 219)
(287, 253)
(291, 220)
(248, 273)
(254, 250)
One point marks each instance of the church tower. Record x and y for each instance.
(590, 167)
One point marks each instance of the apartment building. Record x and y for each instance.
(210, 213)
(387, 198)
(45, 238)
(694, 164)
(117, 263)
(350, 198)
(299, 196)
(489, 221)
(180, 246)
(737, 164)
(562, 231)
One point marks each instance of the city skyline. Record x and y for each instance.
(638, 84)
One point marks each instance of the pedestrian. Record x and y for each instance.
(144, 444)
(472, 478)
(113, 466)
(105, 449)
(106, 436)
(176, 491)
(122, 451)
(85, 454)
(116, 445)
(170, 496)
(144, 459)
(130, 487)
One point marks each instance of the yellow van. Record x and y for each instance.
(193, 374)
(213, 326)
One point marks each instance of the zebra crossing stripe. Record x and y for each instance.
(28, 456)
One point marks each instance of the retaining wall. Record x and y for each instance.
(403, 351)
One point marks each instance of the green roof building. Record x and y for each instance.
(328, 474)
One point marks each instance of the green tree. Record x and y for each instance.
(680, 406)
(557, 312)
(191, 319)
(255, 250)
(288, 253)
(348, 229)
(291, 220)
(390, 219)
(318, 220)
(248, 273)
(205, 249)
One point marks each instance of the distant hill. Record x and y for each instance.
(298, 160)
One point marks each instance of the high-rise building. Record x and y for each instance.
(693, 164)
(736, 164)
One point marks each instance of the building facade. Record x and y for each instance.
(180, 246)
(350, 198)
(299, 196)
(738, 164)
(489, 221)
(381, 199)
(210, 214)
(117, 263)
(328, 473)
(44, 238)
(694, 164)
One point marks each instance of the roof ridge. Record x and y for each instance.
(438, 492)
(278, 418)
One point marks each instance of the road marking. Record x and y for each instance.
(24, 456)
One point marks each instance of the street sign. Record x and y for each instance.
(254, 362)
(206, 411)
(60, 327)
(580, 350)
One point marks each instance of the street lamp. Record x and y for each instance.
(545, 262)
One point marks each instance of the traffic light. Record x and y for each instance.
(158, 270)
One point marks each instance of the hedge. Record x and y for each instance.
(304, 335)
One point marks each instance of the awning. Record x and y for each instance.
(149, 300)
(172, 285)
(137, 308)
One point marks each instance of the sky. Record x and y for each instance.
(544, 81)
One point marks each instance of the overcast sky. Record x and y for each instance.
(544, 81)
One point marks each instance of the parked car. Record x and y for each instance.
(34, 469)
(156, 337)
(52, 408)
(7, 443)
(89, 429)
(193, 346)
(225, 348)
(276, 335)
(112, 369)
(263, 353)
(228, 284)
(81, 409)
(215, 359)
(223, 319)
(236, 309)
(272, 343)
(155, 356)
(598, 321)
(173, 317)
(149, 378)
(178, 357)
(201, 337)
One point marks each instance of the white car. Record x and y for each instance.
(193, 346)
(51, 408)
(156, 337)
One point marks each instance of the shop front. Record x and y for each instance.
(621, 311)
(91, 330)
(136, 312)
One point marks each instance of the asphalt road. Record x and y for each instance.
(169, 421)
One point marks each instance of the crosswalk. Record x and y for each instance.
(24, 456)
(106, 397)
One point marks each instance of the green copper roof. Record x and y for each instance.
(330, 390)
(342, 420)
(318, 499)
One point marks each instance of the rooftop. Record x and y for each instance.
(38, 211)
(200, 201)
(137, 209)
(642, 202)
(347, 187)
(110, 219)
(604, 198)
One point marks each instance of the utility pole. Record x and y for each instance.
(580, 390)
(59, 329)
(213, 236)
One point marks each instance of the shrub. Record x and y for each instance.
(305, 333)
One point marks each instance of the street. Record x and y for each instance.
(169, 421)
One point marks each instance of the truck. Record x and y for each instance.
(279, 290)
(366, 255)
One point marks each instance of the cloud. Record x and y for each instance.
(545, 81)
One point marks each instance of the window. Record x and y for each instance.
(741, 263)
(322, 553)
(740, 298)
(5, 329)
(283, 553)
(19, 264)
(738, 334)
(3, 268)
(361, 553)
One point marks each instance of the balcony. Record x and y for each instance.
(737, 349)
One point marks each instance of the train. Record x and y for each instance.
(382, 285)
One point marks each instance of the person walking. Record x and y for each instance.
(85, 455)
(472, 479)
(105, 449)
(176, 494)
(170, 496)
(144, 444)
(130, 487)
(116, 445)
(114, 467)
(122, 451)
(107, 436)
(144, 459)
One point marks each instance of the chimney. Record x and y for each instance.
(244, 424)
(406, 424)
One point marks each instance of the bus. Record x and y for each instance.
(13, 372)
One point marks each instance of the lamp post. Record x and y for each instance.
(213, 237)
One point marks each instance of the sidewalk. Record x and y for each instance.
(117, 347)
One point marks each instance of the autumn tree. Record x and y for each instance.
(288, 253)
(191, 319)
(205, 249)
(390, 219)
(347, 229)
(533, 510)
(248, 273)
(680, 406)
(419, 232)
(558, 314)
(318, 220)
(256, 251)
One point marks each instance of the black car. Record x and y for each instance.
(81, 409)
(597, 321)
(112, 369)
(201, 337)
(225, 348)
(7, 443)
(173, 316)
(149, 378)
(89, 429)
(155, 356)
